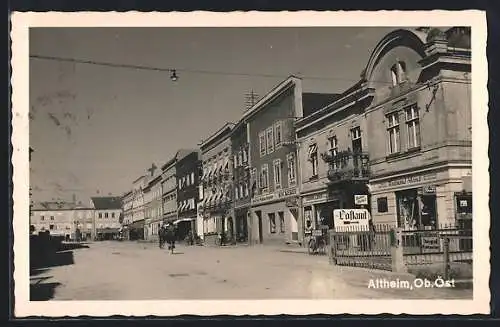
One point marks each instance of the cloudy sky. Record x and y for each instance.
(95, 129)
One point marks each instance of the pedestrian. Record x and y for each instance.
(161, 237)
(170, 237)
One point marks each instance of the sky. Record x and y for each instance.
(95, 129)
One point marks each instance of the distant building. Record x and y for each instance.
(152, 204)
(62, 218)
(240, 145)
(216, 209)
(133, 223)
(107, 213)
(187, 176)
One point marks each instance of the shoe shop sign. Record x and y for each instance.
(351, 220)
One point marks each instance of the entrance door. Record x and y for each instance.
(259, 221)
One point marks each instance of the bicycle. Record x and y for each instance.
(317, 245)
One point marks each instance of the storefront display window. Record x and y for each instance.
(416, 210)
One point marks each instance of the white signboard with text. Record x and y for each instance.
(355, 220)
(361, 199)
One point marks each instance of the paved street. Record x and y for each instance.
(141, 271)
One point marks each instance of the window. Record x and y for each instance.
(272, 223)
(236, 192)
(240, 158)
(235, 161)
(393, 130)
(412, 122)
(270, 139)
(42, 218)
(291, 169)
(313, 159)
(382, 205)
(180, 184)
(262, 143)
(245, 190)
(51, 227)
(356, 139)
(264, 177)
(333, 149)
(100, 214)
(51, 217)
(241, 190)
(281, 216)
(245, 157)
(106, 215)
(255, 181)
(277, 173)
(398, 73)
(278, 132)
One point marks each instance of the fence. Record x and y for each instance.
(389, 248)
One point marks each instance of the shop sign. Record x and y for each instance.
(275, 196)
(346, 220)
(430, 243)
(408, 180)
(361, 199)
(429, 189)
(318, 197)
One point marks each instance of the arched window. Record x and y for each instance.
(398, 73)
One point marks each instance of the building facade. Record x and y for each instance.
(216, 208)
(187, 176)
(153, 215)
(333, 158)
(273, 151)
(420, 125)
(169, 190)
(107, 215)
(62, 219)
(240, 145)
(135, 228)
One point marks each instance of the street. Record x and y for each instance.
(112, 270)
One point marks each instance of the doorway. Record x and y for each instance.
(259, 222)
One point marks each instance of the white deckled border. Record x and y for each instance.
(21, 22)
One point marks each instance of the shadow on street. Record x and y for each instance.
(42, 292)
(48, 260)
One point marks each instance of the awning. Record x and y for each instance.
(183, 219)
(181, 208)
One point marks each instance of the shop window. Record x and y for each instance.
(308, 220)
(464, 204)
(270, 139)
(272, 223)
(407, 209)
(281, 216)
(428, 211)
(313, 159)
(382, 205)
(413, 126)
(262, 143)
(394, 134)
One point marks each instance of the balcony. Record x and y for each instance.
(347, 166)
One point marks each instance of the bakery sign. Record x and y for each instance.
(351, 220)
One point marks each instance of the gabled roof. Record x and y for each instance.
(221, 133)
(181, 153)
(107, 202)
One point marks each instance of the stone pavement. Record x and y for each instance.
(141, 271)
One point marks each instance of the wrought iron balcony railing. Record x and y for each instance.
(347, 166)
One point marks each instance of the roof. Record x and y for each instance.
(312, 102)
(227, 127)
(107, 202)
(53, 206)
(181, 153)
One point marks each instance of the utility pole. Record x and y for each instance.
(251, 99)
